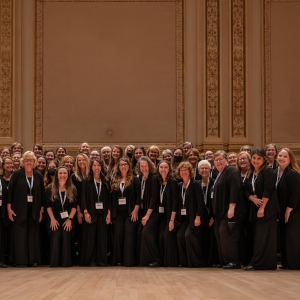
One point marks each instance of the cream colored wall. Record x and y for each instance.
(262, 89)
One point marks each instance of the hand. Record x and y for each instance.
(258, 202)
(145, 219)
(67, 225)
(211, 221)
(230, 213)
(260, 212)
(134, 216)
(54, 224)
(41, 216)
(11, 214)
(197, 221)
(79, 217)
(171, 225)
(108, 219)
(287, 215)
(87, 218)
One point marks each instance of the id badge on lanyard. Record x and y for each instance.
(161, 208)
(98, 204)
(122, 200)
(63, 214)
(30, 185)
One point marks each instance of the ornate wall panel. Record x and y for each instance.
(212, 69)
(80, 36)
(281, 72)
(6, 50)
(238, 69)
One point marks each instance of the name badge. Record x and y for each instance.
(99, 205)
(122, 201)
(212, 195)
(142, 204)
(29, 198)
(183, 211)
(161, 209)
(64, 214)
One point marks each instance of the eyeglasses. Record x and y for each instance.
(123, 165)
(243, 158)
(28, 160)
(219, 159)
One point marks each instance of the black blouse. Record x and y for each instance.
(150, 197)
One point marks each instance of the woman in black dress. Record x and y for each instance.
(61, 208)
(194, 219)
(263, 212)
(125, 203)
(147, 235)
(95, 205)
(225, 196)
(25, 206)
(5, 229)
(288, 192)
(169, 213)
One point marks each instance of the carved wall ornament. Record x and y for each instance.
(39, 74)
(6, 50)
(238, 69)
(212, 69)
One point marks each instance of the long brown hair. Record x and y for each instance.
(115, 185)
(112, 161)
(293, 163)
(169, 175)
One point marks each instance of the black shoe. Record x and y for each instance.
(35, 265)
(101, 265)
(231, 266)
(154, 265)
(219, 266)
(249, 268)
(3, 265)
(119, 264)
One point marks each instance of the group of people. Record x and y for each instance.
(129, 208)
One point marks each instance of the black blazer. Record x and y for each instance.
(89, 197)
(226, 190)
(288, 191)
(194, 202)
(132, 194)
(264, 188)
(18, 191)
(209, 202)
(3, 209)
(150, 197)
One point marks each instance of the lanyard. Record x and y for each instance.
(278, 178)
(162, 190)
(206, 191)
(61, 200)
(183, 193)
(30, 185)
(112, 174)
(245, 177)
(0, 187)
(143, 188)
(98, 190)
(122, 188)
(219, 174)
(253, 182)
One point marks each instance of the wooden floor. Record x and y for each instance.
(145, 283)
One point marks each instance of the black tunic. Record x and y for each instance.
(94, 243)
(288, 192)
(26, 245)
(60, 239)
(265, 228)
(189, 236)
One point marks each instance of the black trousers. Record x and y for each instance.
(149, 241)
(227, 244)
(26, 242)
(94, 242)
(60, 248)
(189, 245)
(2, 241)
(124, 241)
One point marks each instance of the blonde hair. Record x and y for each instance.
(185, 164)
(30, 155)
(77, 172)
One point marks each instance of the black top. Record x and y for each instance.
(89, 197)
(78, 185)
(244, 203)
(194, 202)
(213, 173)
(170, 198)
(288, 191)
(150, 197)
(225, 191)
(264, 188)
(3, 208)
(18, 191)
(132, 193)
(56, 204)
(208, 203)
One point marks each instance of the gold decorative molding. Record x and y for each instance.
(39, 74)
(212, 69)
(6, 50)
(238, 69)
(267, 132)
